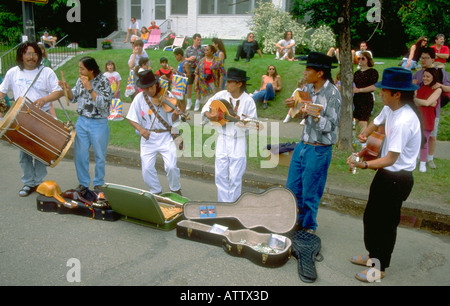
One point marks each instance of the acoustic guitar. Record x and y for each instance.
(372, 149)
(303, 100)
(226, 113)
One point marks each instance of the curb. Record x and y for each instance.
(415, 215)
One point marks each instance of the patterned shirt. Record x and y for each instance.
(198, 52)
(325, 130)
(89, 108)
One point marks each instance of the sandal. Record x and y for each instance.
(362, 260)
(26, 190)
(370, 275)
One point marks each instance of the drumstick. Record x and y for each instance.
(65, 90)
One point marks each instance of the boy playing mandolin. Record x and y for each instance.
(231, 145)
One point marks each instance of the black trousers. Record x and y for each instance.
(388, 191)
(245, 52)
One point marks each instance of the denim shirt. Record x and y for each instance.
(87, 107)
(326, 129)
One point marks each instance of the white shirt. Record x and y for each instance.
(20, 80)
(403, 135)
(285, 43)
(134, 25)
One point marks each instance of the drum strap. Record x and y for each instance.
(32, 83)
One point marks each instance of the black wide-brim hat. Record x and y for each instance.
(146, 79)
(397, 78)
(319, 60)
(235, 74)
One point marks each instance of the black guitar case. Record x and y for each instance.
(49, 204)
(306, 248)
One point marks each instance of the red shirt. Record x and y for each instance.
(428, 112)
(443, 50)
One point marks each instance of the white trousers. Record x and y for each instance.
(230, 166)
(164, 145)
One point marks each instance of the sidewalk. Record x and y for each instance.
(428, 215)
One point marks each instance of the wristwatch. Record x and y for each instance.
(90, 90)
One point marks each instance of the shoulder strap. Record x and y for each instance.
(34, 81)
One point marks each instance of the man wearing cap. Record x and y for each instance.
(153, 123)
(231, 144)
(312, 156)
(393, 180)
(48, 40)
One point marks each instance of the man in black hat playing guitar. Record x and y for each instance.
(312, 156)
(231, 145)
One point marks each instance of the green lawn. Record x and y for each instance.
(433, 184)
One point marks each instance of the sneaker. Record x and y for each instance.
(286, 120)
(197, 106)
(422, 168)
(236, 59)
(26, 191)
(264, 105)
(431, 164)
(188, 105)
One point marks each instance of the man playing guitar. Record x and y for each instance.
(231, 145)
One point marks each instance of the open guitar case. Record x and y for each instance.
(141, 207)
(259, 227)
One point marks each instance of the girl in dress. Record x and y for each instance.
(427, 99)
(114, 78)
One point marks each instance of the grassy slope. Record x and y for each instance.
(433, 184)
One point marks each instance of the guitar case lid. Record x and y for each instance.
(274, 210)
(141, 206)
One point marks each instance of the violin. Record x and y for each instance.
(170, 104)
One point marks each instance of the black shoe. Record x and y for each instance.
(264, 105)
(236, 59)
(26, 191)
(177, 192)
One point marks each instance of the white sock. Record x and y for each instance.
(430, 157)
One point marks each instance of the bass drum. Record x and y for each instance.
(36, 132)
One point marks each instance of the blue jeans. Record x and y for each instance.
(33, 170)
(265, 94)
(306, 179)
(95, 133)
(411, 67)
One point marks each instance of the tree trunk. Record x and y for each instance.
(346, 68)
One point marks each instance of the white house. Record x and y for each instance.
(226, 19)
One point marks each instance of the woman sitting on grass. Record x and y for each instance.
(270, 83)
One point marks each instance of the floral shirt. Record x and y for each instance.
(217, 70)
(89, 108)
(325, 130)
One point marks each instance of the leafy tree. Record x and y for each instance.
(390, 29)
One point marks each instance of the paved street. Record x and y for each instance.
(35, 246)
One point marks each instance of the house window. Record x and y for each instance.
(160, 9)
(136, 9)
(227, 7)
(179, 7)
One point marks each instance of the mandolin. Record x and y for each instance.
(303, 100)
(225, 113)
